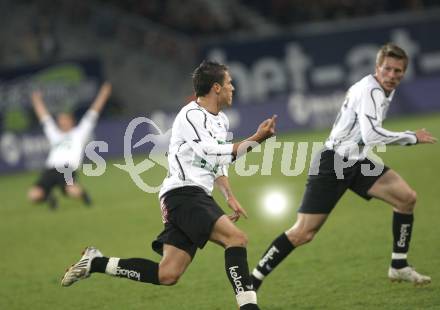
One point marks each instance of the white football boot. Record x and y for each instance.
(81, 270)
(408, 274)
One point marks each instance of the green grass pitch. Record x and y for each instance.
(343, 268)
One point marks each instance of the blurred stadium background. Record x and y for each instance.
(294, 58)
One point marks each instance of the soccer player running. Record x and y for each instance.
(343, 165)
(67, 144)
(198, 156)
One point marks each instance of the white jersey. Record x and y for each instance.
(199, 151)
(358, 126)
(67, 148)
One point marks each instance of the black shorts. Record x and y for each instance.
(50, 178)
(325, 189)
(189, 216)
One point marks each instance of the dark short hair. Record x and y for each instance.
(391, 50)
(206, 74)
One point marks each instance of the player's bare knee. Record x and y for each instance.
(412, 199)
(300, 237)
(169, 280)
(291, 235)
(73, 191)
(31, 196)
(408, 201)
(169, 277)
(35, 195)
(307, 237)
(239, 238)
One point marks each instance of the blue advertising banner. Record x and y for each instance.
(323, 63)
(25, 151)
(111, 138)
(68, 86)
(303, 76)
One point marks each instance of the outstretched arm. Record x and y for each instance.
(223, 185)
(205, 146)
(424, 136)
(39, 106)
(49, 127)
(88, 121)
(370, 121)
(264, 131)
(102, 97)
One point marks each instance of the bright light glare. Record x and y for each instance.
(275, 203)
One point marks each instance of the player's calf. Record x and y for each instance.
(237, 270)
(137, 269)
(74, 190)
(279, 249)
(402, 231)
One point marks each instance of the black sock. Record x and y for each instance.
(86, 198)
(137, 269)
(52, 201)
(402, 229)
(237, 270)
(99, 264)
(274, 255)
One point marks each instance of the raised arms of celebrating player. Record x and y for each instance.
(50, 129)
(88, 121)
(97, 105)
(39, 106)
(102, 97)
